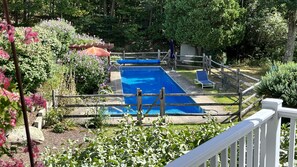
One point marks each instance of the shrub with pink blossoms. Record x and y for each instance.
(10, 107)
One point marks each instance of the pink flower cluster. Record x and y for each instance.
(4, 81)
(10, 110)
(35, 100)
(2, 137)
(13, 163)
(35, 150)
(30, 36)
(4, 55)
(10, 95)
(9, 29)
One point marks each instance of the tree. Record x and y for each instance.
(292, 28)
(213, 24)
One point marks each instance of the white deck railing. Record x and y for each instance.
(254, 142)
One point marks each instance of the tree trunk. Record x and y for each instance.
(105, 8)
(290, 46)
(112, 10)
(151, 17)
(25, 11)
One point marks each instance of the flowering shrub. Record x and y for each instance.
(63, 30)
(89, 71)
(79, 39)
(10, 108)
(35, 59)
(49, 39)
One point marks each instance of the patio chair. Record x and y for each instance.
(202, 79)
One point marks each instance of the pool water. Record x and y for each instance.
(151, 80)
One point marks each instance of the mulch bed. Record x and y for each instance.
(54, 141)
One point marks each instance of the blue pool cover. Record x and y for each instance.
(151, 80)
(139, 61)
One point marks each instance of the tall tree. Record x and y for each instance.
(292, 28)
(212, 24)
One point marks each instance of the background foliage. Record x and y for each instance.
(241, 29)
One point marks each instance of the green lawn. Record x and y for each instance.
(256, 72)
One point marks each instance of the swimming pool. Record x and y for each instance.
(151, 80)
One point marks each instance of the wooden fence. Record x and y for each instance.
(161, 55)
(244, 104)
(241, 85)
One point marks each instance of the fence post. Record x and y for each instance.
(54, 98)
(238, 79)
(124, 55)
(159, 54)
(203, 61)
(162, 102)
(139, 106)
(175, 54)
(222, 76)
(209, 65)
(240, 106)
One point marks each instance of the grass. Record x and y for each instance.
(256, 72)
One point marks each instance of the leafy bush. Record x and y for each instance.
(280, 82)
(35, 61)
(133, 146)
(99, 120)
(62, 29)
(89, 71)
(266, 32)
(54, 116)
(49, 39)
(52, 83)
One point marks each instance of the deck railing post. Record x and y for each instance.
(162, 102)
(54, 98)
(273, 132)
(139, 106)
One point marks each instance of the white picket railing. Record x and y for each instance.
(254, 142)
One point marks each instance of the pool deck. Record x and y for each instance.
(187, 85)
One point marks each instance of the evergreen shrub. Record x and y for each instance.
(280, 82)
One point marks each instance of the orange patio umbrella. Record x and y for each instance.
(94, 51)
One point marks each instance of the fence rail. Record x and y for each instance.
(159, 98)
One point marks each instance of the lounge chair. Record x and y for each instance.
(202, 79)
